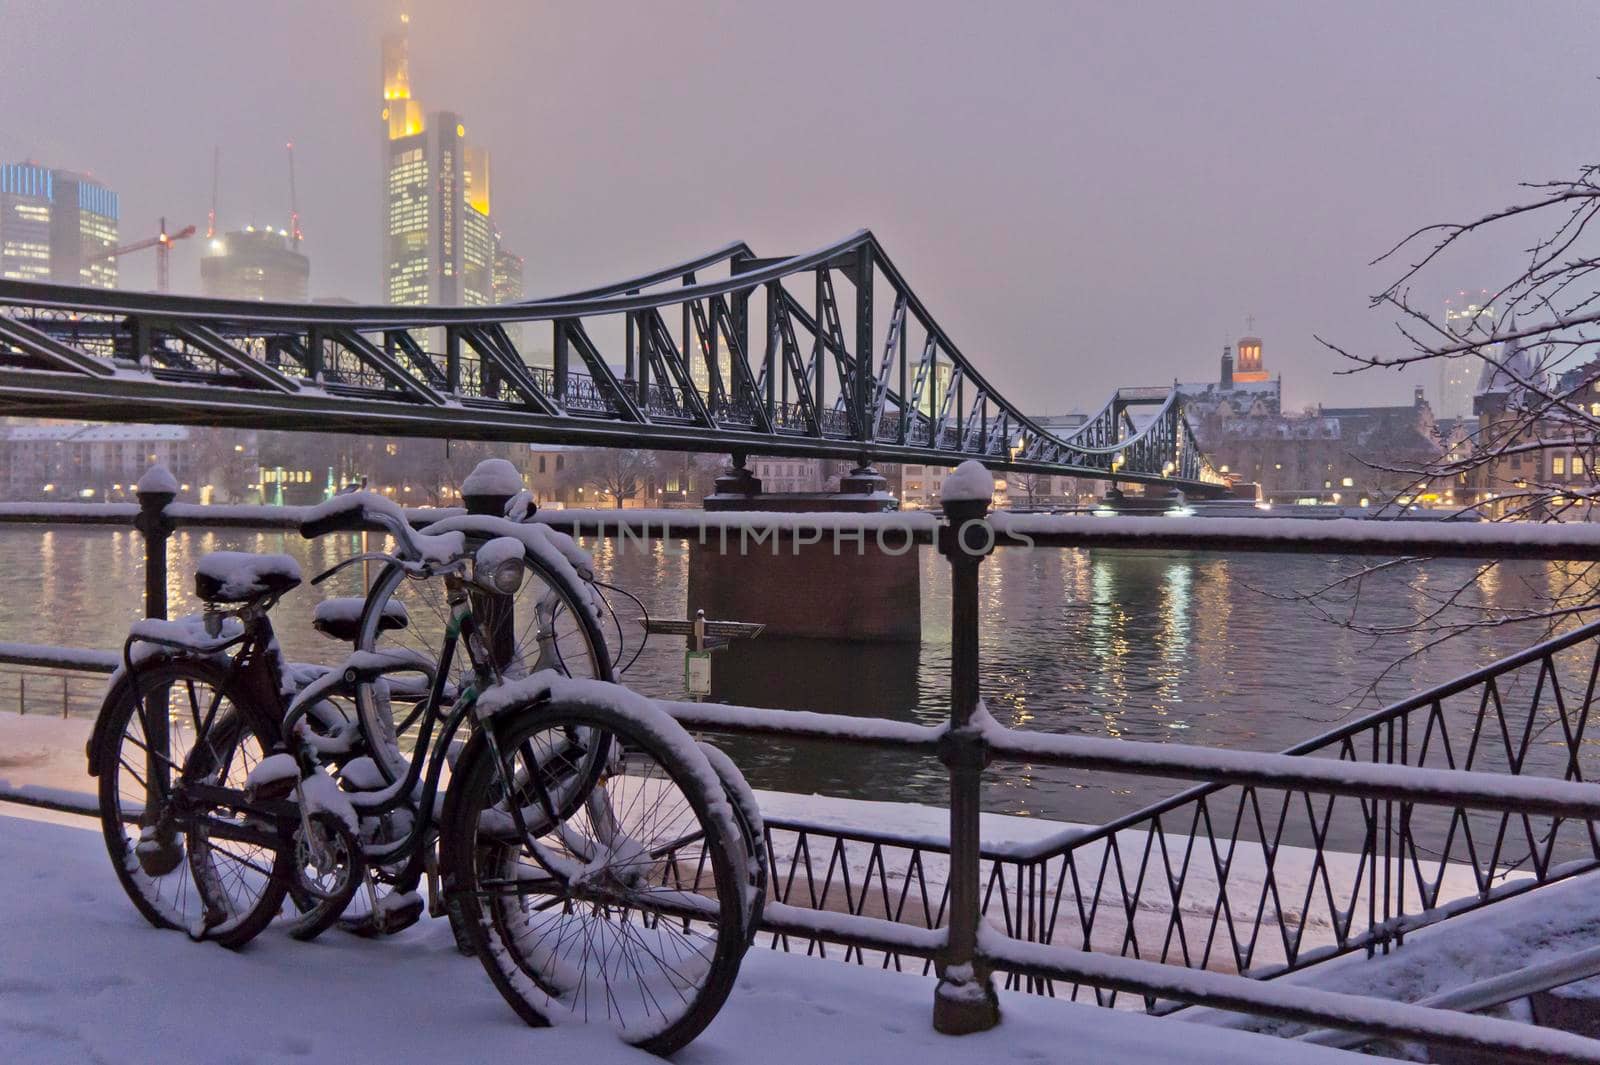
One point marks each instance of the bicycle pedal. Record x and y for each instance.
(390, 918)
(403, 916)
(158, 857)
(272, 791)
(274, 777)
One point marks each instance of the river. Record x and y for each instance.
(1160, 646)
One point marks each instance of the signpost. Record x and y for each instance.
(702, 637)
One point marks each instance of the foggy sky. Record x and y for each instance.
(1085, 196)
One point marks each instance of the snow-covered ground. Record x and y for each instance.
(43, 756)
(85, 979)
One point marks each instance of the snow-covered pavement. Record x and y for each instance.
(84, 979)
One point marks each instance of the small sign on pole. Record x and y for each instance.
(697, 673)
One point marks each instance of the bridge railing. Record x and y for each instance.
(1175, 903)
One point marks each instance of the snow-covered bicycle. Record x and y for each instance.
(596, 858)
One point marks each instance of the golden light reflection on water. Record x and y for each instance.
(1091, 642)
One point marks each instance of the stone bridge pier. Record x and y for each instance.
(809, 583)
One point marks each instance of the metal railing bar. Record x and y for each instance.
(1495, 991)
(74, 659)
(805, 724)
(1240, 994)
(1283, 772)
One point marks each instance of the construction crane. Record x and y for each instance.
(216, 165)
(294, 204)
(162, 243)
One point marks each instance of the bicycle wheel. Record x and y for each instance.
(172, 722)
(545, 625)
(634, 915)
(752, 835)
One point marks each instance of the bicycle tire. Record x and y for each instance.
(156, 868)
(509, 935)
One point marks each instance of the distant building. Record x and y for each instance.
(255, 264)
(1247, 367)
(1465, 314)
(1242, 389)
(99, 463)
(438, 239)
(508, 268)
(1345, 455)
(56, 225)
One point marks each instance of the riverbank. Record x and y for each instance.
(140, 996)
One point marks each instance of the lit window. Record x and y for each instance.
(1577, 465)
(1558, 465)
(1348, 482)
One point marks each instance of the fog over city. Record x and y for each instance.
(1089, 197)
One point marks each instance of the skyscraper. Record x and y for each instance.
(1466, 314)
(56, 225)
(255, 264)
(507, 275)
(438, 240)
(508, 284)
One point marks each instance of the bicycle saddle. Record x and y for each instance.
(341, 618)
(240, 576)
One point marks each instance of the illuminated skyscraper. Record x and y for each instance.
(438, 240)
(1466, 314)
(507, 275)
(255, 264)
(508, 284)
(56, 225)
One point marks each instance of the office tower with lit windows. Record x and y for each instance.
(56, 225)
(255, 264)
(438, 240)
(1467, 315)
(507, 274)
(508, 284)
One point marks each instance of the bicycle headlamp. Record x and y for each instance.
(498, 565)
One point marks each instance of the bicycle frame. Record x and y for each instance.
(254, 677)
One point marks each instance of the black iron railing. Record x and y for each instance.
(1271, 863)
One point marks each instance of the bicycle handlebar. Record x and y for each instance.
(354, 511)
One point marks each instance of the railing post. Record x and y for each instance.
(156, 490)
(487, 491)
(965, 1000)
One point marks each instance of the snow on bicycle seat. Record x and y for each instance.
(240, 576)
(340, 619)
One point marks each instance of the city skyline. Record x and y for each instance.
(1158, 279)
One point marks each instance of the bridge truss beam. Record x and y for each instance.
(850, 364)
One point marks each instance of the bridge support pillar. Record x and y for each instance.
(813, 583)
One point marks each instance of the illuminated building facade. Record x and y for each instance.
(1247, 367)
(56, 225)
(255, 264)
(508, 284)
(1465, 314)
(507, 275)
(438, 239)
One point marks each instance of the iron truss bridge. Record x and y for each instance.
(826, 354)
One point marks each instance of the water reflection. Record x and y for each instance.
(1163, 646)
